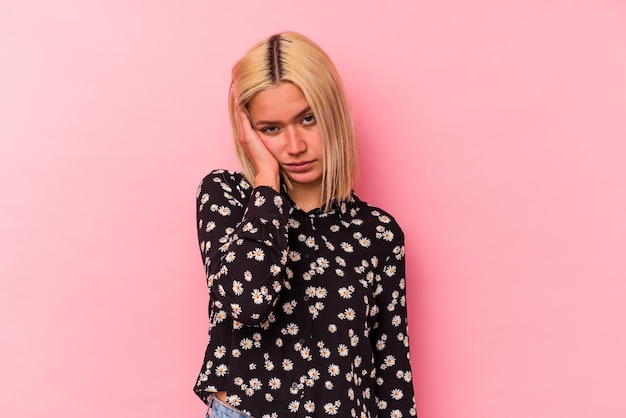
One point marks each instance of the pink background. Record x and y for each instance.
(494, 131)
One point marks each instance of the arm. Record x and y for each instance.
(243, 240)
(394, 384)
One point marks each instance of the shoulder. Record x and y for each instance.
(229, 182)
(379, 223)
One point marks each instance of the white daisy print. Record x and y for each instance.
(292, 329)
(333, 370)
(347, 247)
(234, 400)
(259, 201)
(258, 254)
(257, 296)
(274, 383)
(332, 408)
(221, 370)
(316, 299)
(309, 406)
(293, 406)
(237, 288)
(342, 349)
(390, 361)
(275, 269)
(287, 365)
(224, 211)
(294, 256)
(397, 394)
(220, 351)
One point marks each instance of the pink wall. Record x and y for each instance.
(494, 131)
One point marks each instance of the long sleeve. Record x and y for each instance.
(394, 384)
(242, 234)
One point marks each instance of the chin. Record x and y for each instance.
(305, 179)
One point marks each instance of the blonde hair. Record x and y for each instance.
(291, 57)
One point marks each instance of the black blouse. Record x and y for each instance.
(307, 310)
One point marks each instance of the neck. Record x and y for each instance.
(307, 198)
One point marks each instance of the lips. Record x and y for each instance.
(300, 166)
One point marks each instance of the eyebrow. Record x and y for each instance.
(272, 122)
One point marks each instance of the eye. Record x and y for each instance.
(268, 130)
(308, 119)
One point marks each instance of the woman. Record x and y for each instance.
(307, 288)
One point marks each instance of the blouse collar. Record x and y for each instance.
(346, 209)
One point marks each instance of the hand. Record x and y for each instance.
(264, 163)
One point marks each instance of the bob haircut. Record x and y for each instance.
(291, 57)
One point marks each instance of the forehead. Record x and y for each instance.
(282, 102)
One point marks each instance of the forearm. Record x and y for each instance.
(245, 251)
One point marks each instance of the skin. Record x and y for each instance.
(282, 135)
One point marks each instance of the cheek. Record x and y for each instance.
(272, 144)
(317, 142)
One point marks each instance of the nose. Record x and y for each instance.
(295, 143)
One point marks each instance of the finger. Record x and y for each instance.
(243, 125)
(246, 124)
(236, 109)
(247, 132)
(239, 121)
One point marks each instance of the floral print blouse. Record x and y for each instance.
(307, 310)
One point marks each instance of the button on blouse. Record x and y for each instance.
(307, 311)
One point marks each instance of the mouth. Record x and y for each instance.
(299, 165)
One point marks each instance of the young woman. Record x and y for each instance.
(306, 281)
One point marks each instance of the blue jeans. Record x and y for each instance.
(219, 409)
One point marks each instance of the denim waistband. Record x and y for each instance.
(219, 409)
